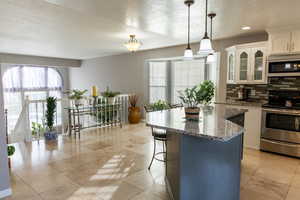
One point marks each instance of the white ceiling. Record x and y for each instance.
(90, 28)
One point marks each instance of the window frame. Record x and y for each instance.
(170, 73)
(23, 90)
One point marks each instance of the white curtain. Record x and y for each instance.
(11, 80)
(35, 82)
(29, 78)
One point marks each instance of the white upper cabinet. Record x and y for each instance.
(283, 42)
(246, 64)
(295, 41)
(280, 43)
(231, 67)
(259, 57)
(243, 65)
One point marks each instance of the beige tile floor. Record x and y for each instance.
(112, 164)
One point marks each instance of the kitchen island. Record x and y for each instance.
(203, 159)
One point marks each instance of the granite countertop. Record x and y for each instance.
(242, 103)
(213, 123)
(283, 111)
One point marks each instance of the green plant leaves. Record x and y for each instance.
(50, 111)
(159, 105)
(10, 150)
(77, 94)
(109, 93)
(202, 93)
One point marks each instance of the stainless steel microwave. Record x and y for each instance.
(284, 68)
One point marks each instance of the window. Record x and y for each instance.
(157, 81)
(36, 83)
(168, 77)
(186, 74)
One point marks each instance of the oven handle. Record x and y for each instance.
(281, 143)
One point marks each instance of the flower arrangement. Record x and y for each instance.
(133, 99)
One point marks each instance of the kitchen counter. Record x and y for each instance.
(203, 158)
(251, 103)
(213, 123)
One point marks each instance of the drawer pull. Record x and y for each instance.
(282, 143)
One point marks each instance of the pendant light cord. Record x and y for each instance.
(206, 2)
(189, 26)
(211, 24)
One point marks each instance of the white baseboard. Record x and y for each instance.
(5, 193)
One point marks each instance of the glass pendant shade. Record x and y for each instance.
(133, 44)
(210, 58)
(205, 45)
(188, 54)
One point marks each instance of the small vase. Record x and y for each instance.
(110, 100)
(78, 102)
(134, 115)
(192, 113)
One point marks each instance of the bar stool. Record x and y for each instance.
(159, 135)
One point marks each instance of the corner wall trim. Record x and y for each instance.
(5, 193)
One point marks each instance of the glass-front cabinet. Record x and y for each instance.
(231, 67)
(243, 65)
(246, 64)
(259, 65)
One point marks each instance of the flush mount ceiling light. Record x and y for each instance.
(245, 28)
(211, 58)
(132, 44)
(205, 43)
(188, 53)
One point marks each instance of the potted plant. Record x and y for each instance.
(159, 105)
(110, 95)
(50, 133)
(207, 90)
(10, 152)
(134, 115)
(77, 96)
(199, 94)
(37, 129)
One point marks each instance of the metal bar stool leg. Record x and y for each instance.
(154, 152)
(165, 149)
(163, 144)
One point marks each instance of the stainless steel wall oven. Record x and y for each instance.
(281, 123)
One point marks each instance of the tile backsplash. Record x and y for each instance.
(260, 92)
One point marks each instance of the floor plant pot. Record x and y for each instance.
(192, 113)
(50, 135)
(134, 115)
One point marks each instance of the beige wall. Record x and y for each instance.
(37, 60)
(126, 72)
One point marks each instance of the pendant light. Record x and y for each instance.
(211, 58)
(188, 53)
(132, 44)
(205, 43)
